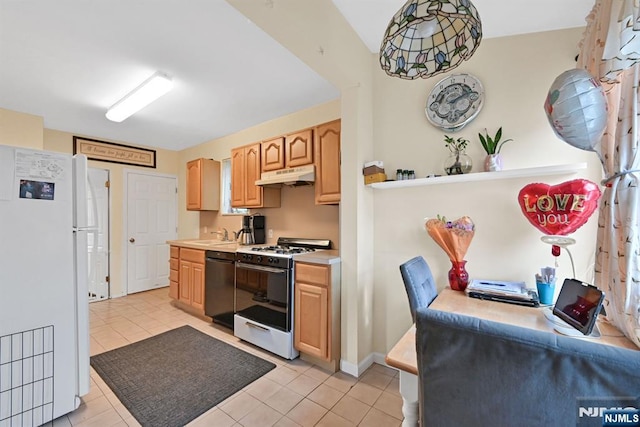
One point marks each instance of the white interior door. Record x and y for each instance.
(99, 241)
(151, 221)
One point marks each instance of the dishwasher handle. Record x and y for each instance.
(220, 256)
(226, 261)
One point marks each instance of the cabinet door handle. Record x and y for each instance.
(253, 325)
(132, 240)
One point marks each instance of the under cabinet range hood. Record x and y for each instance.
(302, 175)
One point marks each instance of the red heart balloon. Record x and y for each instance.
(559, 209)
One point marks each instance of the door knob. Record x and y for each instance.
(132, 240)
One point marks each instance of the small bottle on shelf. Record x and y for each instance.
(405, 174)
(399, 176)
(412, 174)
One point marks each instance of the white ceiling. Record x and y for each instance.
(499, 17)
(69, 60)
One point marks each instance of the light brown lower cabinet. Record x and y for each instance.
(317, 310)
(174, 272)
(312, 320)
(191, 279)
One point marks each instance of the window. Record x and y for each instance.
(226, 191)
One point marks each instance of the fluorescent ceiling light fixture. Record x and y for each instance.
(150, 90)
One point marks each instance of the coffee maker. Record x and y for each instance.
(245, 235)
(252, 231)
(259, 235)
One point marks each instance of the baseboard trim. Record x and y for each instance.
(357, 370)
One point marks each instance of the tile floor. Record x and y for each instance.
(295, 393)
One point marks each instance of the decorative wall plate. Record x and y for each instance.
(454, 101)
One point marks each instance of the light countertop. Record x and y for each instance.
(319, 257)
(205, 244)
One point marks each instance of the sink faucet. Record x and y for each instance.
(224, 234)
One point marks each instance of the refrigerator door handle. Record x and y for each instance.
(86, 205)
(80, 244)
(80, 191)
(92, 203)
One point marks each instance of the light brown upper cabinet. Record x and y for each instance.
(252, 193)
(327, 161)
(203, 185)
(273, 154)
(299, 148)
(245, 171)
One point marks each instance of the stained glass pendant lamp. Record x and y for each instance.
(429, 37)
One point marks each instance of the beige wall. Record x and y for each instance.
(516, 73)
(298, 215)
(382, 228)
(21, 130)
(318, 34)
(383, 118)
(166, 163)
(25, 130)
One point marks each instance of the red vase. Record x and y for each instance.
(458, 276)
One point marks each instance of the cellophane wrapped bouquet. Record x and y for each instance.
(454, 237)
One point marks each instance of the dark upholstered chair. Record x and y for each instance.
(419, 283)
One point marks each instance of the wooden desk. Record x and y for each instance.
(403, 354)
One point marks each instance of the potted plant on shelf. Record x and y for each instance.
(458, 162)
(493, 161)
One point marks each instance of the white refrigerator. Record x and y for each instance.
(44, 309)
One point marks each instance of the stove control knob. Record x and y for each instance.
(259, 258)
(244, 256)
(271, 260)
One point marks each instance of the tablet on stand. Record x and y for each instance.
(577, 306)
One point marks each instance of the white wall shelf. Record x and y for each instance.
(566, 169)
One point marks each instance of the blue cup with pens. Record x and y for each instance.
(546, 284)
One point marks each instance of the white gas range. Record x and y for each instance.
(264, 293)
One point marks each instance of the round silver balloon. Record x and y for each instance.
(576, 107)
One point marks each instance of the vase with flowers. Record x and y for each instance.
(454, 237)
(492, 146)
(458, 161)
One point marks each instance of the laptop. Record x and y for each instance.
(503, 291)
(578, 305)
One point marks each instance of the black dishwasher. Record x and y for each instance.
(220, 287)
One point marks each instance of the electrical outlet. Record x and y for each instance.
(270, 233)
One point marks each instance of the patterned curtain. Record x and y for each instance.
(610, 51)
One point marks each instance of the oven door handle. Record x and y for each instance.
(261, 268)
(253, 325)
